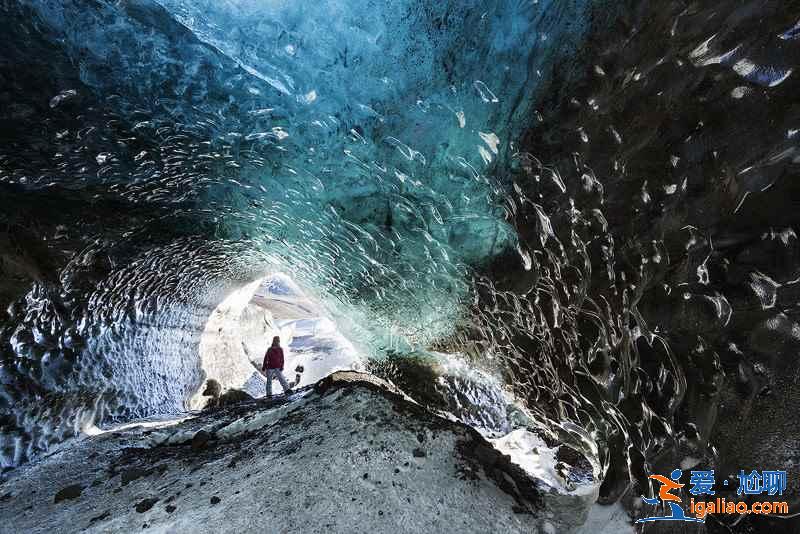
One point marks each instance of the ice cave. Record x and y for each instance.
(527, 266)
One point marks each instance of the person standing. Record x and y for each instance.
(273, 367)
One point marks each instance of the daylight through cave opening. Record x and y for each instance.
(241, 327)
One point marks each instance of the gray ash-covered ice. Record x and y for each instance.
(351, 456)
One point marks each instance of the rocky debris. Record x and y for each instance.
(342, 379)
(381, 453)
(298, 375)
(219, 398)
(200, 440)
(145, 505)
(130, 475)
(104, 515)
(573, 466)
(509, 477)
(68, 493)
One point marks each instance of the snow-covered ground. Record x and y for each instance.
(612, 519)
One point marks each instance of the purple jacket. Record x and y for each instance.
(273, 359)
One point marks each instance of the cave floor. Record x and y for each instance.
(347, 456)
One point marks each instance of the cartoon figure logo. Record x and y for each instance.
(666, 497)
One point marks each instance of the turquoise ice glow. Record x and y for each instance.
(375, 166)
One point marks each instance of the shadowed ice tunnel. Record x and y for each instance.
(594, 203)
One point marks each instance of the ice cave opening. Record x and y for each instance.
(241, 327)
(238, 331)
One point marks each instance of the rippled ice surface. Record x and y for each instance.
(594, 204)
(348, 144)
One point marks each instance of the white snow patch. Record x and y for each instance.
(532, 454)
(603, 519)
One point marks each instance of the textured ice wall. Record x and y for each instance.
(387, 136)
(187, 149)
(658, 201)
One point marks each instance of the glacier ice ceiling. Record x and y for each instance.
(594, 202)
